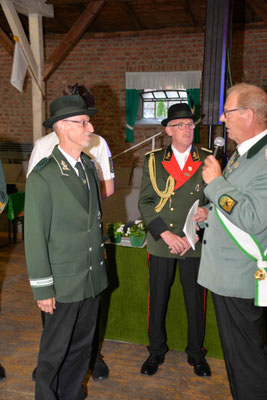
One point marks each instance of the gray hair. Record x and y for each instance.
(251, 96)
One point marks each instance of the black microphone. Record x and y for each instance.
(218, 143)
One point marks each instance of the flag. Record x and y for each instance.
(19, 68)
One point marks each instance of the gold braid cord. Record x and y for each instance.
(164, 195)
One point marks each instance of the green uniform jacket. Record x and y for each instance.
(63, 231)
(242, 197)
(189, 187)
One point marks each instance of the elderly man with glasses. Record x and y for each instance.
(234, 254)
(171, 183)
(65, 251)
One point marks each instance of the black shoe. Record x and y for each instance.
(201, 367)
(100, 370)
(2, 373)
(150, 366)
(34, 374)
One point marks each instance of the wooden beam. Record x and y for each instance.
(39, 7)
(17, 29)
(188, 12)
(128, 9)
(38, 103)
(72, 37)
(260, 7)
(6, 43)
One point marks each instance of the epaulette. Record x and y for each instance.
(41, 164)
(207, 150)
(153, 151)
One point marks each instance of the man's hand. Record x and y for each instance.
(47, 305)
(175, 243)
(211, 169)
(201, 215)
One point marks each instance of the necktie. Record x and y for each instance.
(82, 176)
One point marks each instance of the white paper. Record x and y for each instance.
(190, 226)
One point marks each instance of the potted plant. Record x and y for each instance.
(137, 233)
(115, 231)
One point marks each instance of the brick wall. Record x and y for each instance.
(101, 64)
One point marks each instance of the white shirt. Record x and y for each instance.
(98, 150)
(245, 146)
(181, 158)
(71, 160)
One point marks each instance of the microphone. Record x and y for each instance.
(218, 142)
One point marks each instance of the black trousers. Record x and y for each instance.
(161, 277)
(95, 344)
(65, 350)
(241, 326)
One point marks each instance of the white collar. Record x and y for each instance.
(70, 159)
(181, 158)
(247, 144)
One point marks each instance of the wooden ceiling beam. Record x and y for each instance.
(129, 11)
(71, 38)
(39, 7)
(6, 43)
(260, 7)
(188, 11)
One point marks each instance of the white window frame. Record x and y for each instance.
(174, 80)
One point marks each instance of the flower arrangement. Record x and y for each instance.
(115, 231)
(137, 230)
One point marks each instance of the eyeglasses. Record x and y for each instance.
(234, 109)
(182, 125)
(83, 122)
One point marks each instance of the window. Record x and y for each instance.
(154, 104)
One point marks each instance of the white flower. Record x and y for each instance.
(120, 229)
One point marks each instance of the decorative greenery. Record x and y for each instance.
(115, 229)
(137, 230)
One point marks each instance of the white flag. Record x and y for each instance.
(19, 68)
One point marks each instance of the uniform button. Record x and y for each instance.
(102, 262)
(100, 225)
(90, 268)
(90, 248)
(89, 230)
(102, 244)
(173, 193)
(171, 225)
(172, 209)
(191, 193)
(204, 241)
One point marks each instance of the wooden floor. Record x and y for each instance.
(20, 328)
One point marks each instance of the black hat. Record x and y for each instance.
(178, 111)
(67, 106)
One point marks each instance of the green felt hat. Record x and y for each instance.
(67, 106)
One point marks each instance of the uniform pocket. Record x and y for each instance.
(65, 269)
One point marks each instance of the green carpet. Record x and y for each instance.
(124, 304)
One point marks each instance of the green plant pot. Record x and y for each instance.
(137, 241)
(115, 238)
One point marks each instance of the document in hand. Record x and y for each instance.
(190, 226)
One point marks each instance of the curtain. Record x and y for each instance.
(163, 80)
(132, 98)
(193, 97)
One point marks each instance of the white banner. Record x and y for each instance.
(19, 68)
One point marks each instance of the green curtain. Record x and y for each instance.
(132, 98)
(194, 94)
